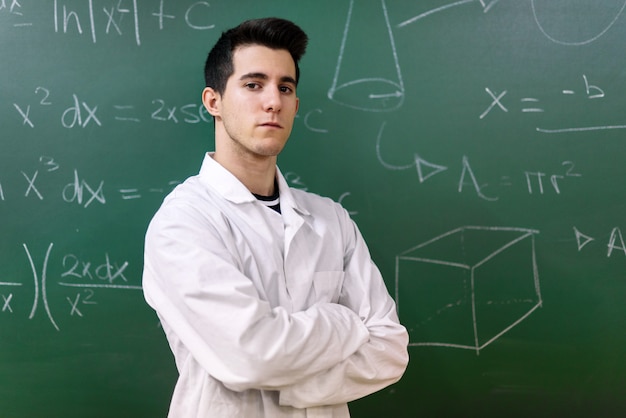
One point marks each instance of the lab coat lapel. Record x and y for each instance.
(294, 217)
(297, 262)
(300, 243)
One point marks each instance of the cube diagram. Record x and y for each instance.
(467, 287)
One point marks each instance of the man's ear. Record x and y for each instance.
(211, 100)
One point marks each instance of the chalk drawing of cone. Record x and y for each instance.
(367, 76)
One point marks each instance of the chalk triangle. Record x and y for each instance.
(426, 169)
(582, 239)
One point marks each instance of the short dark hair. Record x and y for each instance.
(271, 32)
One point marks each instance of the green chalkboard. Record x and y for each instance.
(478, 144)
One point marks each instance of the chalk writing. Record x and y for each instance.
(342, 200)
(592, 92)
(531, 105)
(87, 299)
(115, 18)
(85, 113)
(554, 178)
(310, 125)
(14, 9)
(136, 193)
(6, 305)
(467, 171)
(123, 109)
(75, 192)
(77, 273)
(31, 185)
(25, 115)
(77, 189)
(615, 241)
(107, 271)
(7, 298)
(161, 15)
(49, 163)
(69, 20)
(495, 102)
(80, 115)
(189, 113)
(534, 180)
(294, 180)
(40, 280)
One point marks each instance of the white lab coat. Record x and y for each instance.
(268, 315)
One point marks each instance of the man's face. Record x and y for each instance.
(259, 103)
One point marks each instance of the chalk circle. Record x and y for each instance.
(576, 22)
(370, 94)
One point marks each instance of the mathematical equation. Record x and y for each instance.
(75, 188)
(533, 105)
(75, 112)
(535, 182)
(78, 190)
(79, 113)
(591, 91)
(108, 18)
(82, 277)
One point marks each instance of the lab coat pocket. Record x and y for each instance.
(327, 285)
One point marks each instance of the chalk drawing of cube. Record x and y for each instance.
(467, 287)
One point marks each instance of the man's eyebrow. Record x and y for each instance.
(288, 79)
(254, 75)
(263, 76)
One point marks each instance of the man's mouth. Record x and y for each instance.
(271, 125)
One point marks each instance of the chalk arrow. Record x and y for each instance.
(397, 93)
(431, 168)
(582, 239)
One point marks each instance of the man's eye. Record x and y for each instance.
(253, 86)
(286, 89)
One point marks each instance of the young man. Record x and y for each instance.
(268, 296)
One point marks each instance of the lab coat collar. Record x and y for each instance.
(227, 185)
(223, 181)
(286, 196)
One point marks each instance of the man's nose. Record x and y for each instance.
(272, 101)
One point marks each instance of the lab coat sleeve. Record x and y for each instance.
(376, 364)
(193, 282)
